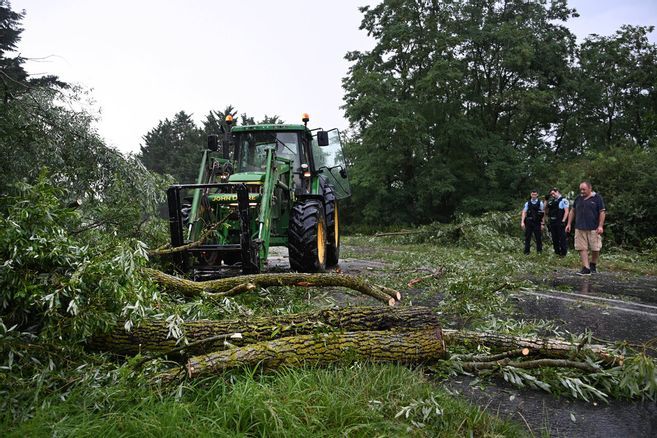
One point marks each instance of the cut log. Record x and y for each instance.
(543, 347)
(233, 285)
(152, 336)
(408, 346)
(391, 292)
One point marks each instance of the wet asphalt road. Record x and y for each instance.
(615, 307)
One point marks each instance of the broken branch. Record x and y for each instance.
(529, 364)
(228, 286)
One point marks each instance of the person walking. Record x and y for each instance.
(589, 214)
(531, 221)
(558, 208)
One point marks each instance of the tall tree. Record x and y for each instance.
(42, 130)
(12, 74)
(271, 120)
(14, 80)
(617, 79)
(453, 103)
(173, 147)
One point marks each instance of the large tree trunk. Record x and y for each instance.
(152, 336)
(408, 346)
(235, 285)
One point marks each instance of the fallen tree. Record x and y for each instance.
(403, 334)
(392, 334)
(209, 335)
(404, 345)
(235, 285)
(407, 346)
(409, 335)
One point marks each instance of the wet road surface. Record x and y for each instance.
(615, 307)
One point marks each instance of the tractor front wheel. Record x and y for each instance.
(307, 237)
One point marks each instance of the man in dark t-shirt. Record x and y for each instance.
(589, 213)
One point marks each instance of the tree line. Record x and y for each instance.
(465, 106)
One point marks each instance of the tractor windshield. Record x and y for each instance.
(252, 148)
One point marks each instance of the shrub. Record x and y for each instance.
(56, 282)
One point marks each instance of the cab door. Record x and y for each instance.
(331, 164)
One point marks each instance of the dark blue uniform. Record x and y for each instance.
(533, 220)
(556, 213)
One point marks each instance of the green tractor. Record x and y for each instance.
(260, 186)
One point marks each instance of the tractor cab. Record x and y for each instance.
(311, 154)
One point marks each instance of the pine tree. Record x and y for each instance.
(174, 147)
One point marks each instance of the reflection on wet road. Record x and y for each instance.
(612, 306)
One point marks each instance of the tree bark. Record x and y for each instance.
(152, 336)
(407, 346)
(529, 364)
(234, 285)
(543, 347)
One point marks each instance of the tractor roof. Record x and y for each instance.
(269, 127)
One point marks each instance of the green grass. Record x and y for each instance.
(493, 252)
(354, 400)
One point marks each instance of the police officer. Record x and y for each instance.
(557, 213)
(531, 220)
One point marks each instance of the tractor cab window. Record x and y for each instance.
(252, 148)
(287, 145)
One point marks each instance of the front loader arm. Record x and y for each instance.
(195, 228)
(264, 217)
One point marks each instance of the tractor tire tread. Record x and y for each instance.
(302, 237)
(332, 250)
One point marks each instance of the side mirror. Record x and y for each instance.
(213, 142)
(322, 138)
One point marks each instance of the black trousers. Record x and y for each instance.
(534, 229)
(559, 238)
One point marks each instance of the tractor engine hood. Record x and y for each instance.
(247, 177)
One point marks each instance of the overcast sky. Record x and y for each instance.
(145, 60)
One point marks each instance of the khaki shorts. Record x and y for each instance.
(585, 239)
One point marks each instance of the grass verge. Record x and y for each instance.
(365, 400)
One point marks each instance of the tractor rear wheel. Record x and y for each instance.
(307, 237)
(332, 226)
